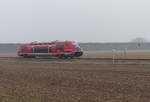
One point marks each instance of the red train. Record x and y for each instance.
(60, 49)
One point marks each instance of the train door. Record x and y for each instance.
(41, 49)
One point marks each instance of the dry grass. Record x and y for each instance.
(145, 54)
(8, 54)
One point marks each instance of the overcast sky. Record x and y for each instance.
(79, 20)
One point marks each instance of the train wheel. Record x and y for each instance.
(60, 56)
(66, 57)
(32, 56)
(71, 57)
(26, 56)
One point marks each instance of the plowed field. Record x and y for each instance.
(74, 81)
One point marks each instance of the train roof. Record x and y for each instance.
(46, 43)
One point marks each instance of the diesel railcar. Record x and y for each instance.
(60, 49)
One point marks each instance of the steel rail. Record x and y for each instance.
(90, 59)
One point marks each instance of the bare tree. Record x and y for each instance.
(139, 41)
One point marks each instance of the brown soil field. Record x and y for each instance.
(73, 81)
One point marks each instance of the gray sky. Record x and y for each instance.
(79, 20)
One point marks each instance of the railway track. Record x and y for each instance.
(75, 59)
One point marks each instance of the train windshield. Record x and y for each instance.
(76, 45)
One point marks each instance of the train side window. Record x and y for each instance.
(60, 47)
(23, 48)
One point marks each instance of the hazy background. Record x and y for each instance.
(79, 20)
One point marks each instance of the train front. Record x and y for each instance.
(78, 50)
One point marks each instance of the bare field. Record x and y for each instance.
(76, 80)
(73, 81)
